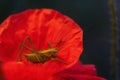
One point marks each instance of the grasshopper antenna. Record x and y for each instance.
(49, 44)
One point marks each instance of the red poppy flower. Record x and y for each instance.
(42, 26)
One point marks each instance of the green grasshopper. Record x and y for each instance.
(39, 56)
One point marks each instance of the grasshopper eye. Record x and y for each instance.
(54, 49)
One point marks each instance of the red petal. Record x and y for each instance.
(78, 72)
(79, 68)
(77, 77)
(42, 26)
(21, 71)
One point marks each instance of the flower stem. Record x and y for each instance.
(114, 39)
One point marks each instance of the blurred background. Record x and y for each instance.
(100, 21)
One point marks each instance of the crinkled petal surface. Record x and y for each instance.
(43, 26)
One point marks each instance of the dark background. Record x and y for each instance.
(117, 7)
(92, 15)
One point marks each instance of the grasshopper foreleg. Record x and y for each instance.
(59, 60)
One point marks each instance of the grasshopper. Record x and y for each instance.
(39, 56)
